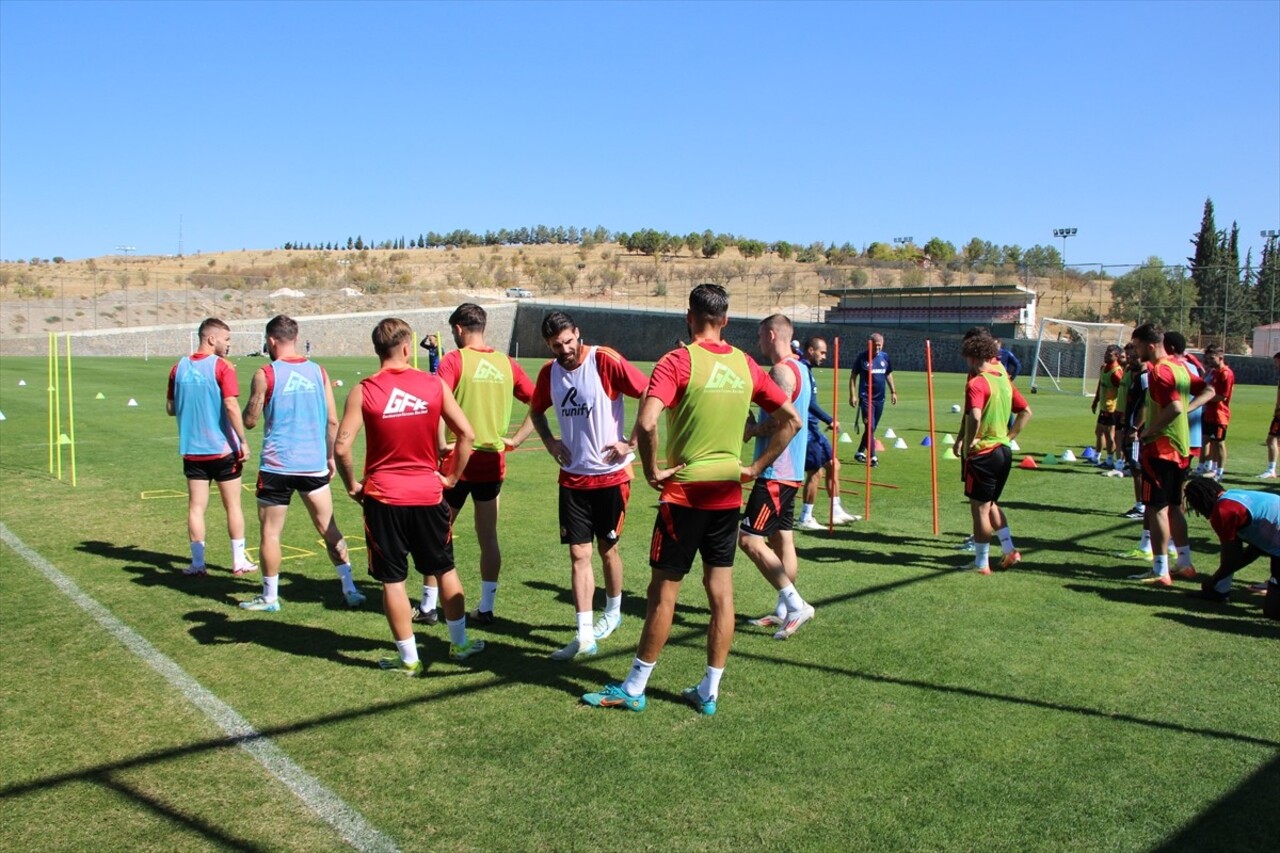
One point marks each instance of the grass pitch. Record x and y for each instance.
(1056, 706)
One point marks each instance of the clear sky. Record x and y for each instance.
(254, 124)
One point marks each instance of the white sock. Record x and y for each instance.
(1140, 506)
(344, 575)
(709, 688)
(780, 610)
(197, 553)
(1144, 542)
(237, 552)
(270, 587)
(791, 598)
(488, 592)
(1006, 540)
(1271, 468)
(1160, 565)
(1184, 555)
(613, 605)
(457, 631)
(638, 677)
(1173, 550)
(981, 555)
(430, 596)
(586, 629)
(806, 510)
(835, 502)
(408, 650)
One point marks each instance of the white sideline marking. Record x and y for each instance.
(349, 823)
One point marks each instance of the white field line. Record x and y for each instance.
(349, 823)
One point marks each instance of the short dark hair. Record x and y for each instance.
(469, 316)
(1201, 494)
(389, 334)
(709, 301)
(555, 323)
(1113, 351)
(982, 347)
(975, 331)
(1213, 349)
(1149, 333)
(215, 323)
(282, 328)
(1175, 342)
(813, 341)
(778, 322)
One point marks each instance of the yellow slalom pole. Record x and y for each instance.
(53, 438)
(57, 405)
(71, 416)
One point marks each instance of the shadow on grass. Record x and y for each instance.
(1245, 819)
(1241, 618)
(155, 560)
(632, 605)
(171, 814)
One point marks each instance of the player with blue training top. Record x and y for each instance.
(870, 400)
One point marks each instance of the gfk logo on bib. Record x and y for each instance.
(486, 372)
(724, 379)
(400, 404)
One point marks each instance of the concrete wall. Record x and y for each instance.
(330, 335)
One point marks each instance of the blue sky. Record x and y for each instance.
(261, 123)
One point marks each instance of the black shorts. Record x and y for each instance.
(680, 533)
(770, 508)
(457, 496)
(221, 470)
(1162, 481)
(1130, 447)
(278, 489)
(392, 533)
(1212, 431)
(817, 451)
(1110, 419)
(986, 474)
(589, 514)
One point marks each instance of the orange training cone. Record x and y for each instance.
(1028, 462)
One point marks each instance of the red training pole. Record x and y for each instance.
(868, 417)
(835, 439)
(933, 439)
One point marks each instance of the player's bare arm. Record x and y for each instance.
(465, 437)
(553, 445)
(331, 425)
(257, 398)
(647, 439)
(237, 425)
(344, 443)
(526, 428)
(1019, 423)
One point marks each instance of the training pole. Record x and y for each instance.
(933, 443)
(869, 425)
(835, 439)
(52, 437)
(57, 405)
(71, 416)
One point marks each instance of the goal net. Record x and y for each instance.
(1067, 349)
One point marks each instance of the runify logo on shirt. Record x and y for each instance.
(724, 379)
(486, 372)
(571, 408)
(298, 384)
(402, 404)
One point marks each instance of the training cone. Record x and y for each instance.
(132, 402)
(950, 454)
(1068, 456)
(1090, 454)
(1, 416)
(1028, 462)
(1013, 444)
(100, 396)
(64, 439)
(1049, 459)
(879, 446)
(900, 444)
(22, 383)
(927, 441)
(889, 433)
(949, 439)
(845, 438)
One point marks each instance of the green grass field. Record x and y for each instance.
(1057, 706)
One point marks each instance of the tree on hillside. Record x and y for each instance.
(784, 250)
(941, 252)
(1204, 268)
(1153, 293)
(1267, 281)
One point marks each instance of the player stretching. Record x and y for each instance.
(819, 456)
(765, 535)
(484, 382)
(202, 396)
(294, 398)
(707, 388)
(402, 491)
(586, 385)
(983, 445)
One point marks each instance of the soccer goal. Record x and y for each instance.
(1061, 356)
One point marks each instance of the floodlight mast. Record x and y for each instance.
(1064, 233)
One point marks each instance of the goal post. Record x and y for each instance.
(1060, 356)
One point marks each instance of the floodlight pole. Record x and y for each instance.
(1269, 239)
(1064, 233)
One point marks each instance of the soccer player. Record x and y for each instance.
(432, 346)
(1165, 453)
(1248, 526)
(402, 490)
(1273, 433)
(1008, 360)
(983, 446)
(1217, 412)
(1108, 387)
(586, 386)
(765, 534)
(707, 389)
(819, 456)
(484, 382)
(870, 401)
(202, 395)
(294, 399)
(1175, 345)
